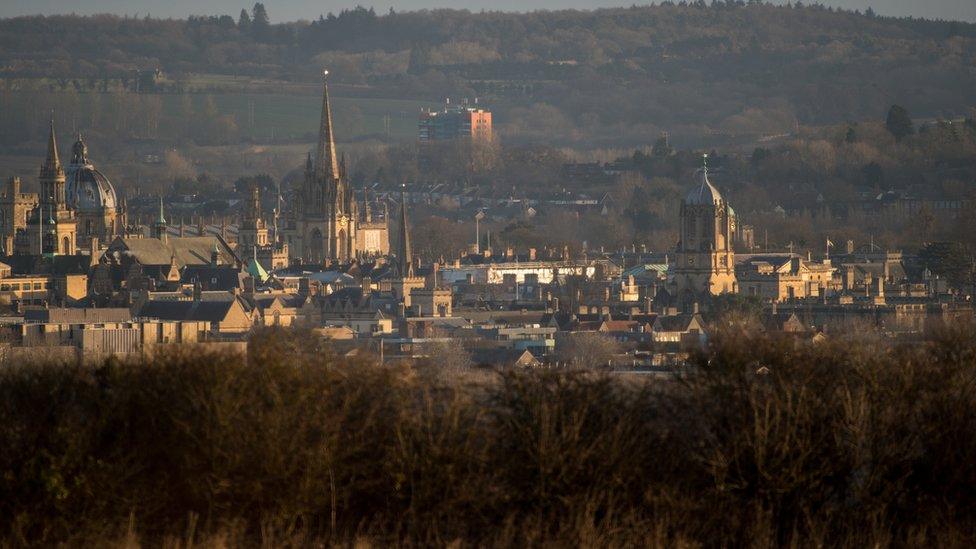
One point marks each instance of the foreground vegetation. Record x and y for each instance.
(766, 444)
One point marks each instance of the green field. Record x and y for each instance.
(263, 116)
(256, 116)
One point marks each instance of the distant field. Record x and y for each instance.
(294, 116)
(261, 116)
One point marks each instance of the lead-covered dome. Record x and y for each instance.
(86, 188)
(704, 193)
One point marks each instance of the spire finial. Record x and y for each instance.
(705, 163)
(162, 219)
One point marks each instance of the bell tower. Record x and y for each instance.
(705, 261)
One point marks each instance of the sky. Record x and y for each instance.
(290, 10)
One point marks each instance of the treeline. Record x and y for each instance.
(607, 75)
(760, 442)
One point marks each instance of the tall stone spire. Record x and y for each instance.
(403, 250)
(326, 165)
(51, 178)
(51, 168)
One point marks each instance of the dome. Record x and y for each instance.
(86, 188)
(704, 193)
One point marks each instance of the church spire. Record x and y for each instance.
(325, 155)
(403, 251)
(52, 164)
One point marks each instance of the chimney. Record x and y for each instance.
(249, 286)
(197, 291)
(531, 254)
(694, 307)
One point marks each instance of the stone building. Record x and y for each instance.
(782, 277)
(52, 227)
(254, 240)
(705, 262)
(325, 221)
(92, 197)
(15, 208)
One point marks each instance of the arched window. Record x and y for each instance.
(66, 245)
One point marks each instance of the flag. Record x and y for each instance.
(829, 243)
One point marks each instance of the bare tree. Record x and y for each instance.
(587, 350)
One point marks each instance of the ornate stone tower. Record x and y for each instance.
(705, 262)
(52, 227)
(405, 280)
(253, 231)
(326, 214)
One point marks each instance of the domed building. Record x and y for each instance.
(705, 262)
(92, 197)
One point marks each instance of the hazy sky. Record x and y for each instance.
(288, 10)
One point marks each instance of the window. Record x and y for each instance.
(37, 285)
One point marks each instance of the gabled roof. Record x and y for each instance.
(213, 277)
(190, 250)
(678, 323)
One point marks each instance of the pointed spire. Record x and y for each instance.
(52, 164)
(403, 252)
(326, 165)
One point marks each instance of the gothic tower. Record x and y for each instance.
(52, 226)
(253, 231)
(326, 218)
(705, 262)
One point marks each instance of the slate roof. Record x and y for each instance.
(219, 277)
(190, 250)
(58, 265)
(208, 311)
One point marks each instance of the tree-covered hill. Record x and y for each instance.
(609, 76)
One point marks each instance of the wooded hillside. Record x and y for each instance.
(604, 77)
